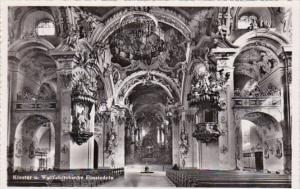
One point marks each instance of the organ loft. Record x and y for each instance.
(114, 90)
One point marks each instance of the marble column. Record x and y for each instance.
(13, 63)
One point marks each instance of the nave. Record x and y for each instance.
(136, 179)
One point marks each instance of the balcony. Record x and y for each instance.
(269, 97)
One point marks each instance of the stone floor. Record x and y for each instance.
(136, 179)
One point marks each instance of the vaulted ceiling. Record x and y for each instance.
(148, 100)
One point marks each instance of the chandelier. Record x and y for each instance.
(139, 38)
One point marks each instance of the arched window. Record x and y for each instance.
(248, 22)
(45, 28)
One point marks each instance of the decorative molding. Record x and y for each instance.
(258, 92)
(224, 149)
(183, 143)
(207, 84)
(207, 132)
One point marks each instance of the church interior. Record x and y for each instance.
(197, 95)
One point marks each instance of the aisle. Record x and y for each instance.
(135, 179)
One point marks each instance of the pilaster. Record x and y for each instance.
(227, 146)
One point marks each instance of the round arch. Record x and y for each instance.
(254, 35)
(259, 142)
(128, 84)
(32, 149)
(267, 41)
(101, 33)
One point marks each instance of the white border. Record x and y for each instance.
(295, 100)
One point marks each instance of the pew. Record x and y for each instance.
(82, 177)
(219, 178)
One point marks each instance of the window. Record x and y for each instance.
(45, 28)
(248, 22)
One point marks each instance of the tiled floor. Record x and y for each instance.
(136, 179)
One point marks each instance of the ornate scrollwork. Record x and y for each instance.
(207, 86)
(224, 149)
(184, 143)
(278, 149)
(80, 122)
(207, 132)
(111, 142)
(32, 149)
(45, 93)
(66, 80)
(271, 90)
(19, 148)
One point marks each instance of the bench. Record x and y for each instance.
(219, 178)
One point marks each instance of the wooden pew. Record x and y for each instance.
(217, 178)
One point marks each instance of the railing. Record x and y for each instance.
(268, 101)
(78, 177)
(35, 105)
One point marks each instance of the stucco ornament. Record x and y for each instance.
(207, 132)
(271, 90)
(32, 148)
(207, 84)
(111, 142)
(19, 148)
(183, 144)
(208, 81)
(278, 149)
(84, 92)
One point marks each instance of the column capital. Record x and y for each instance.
(63, 58)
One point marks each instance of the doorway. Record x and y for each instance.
(259, 161)
(96, 154)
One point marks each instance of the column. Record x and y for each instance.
(175, 136)
(190, 120)
(286, 56)
(63, 124)
(13, 63)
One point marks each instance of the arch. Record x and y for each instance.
(101, 33)
(21, 48)
(35, 69)
(20, 44)
(270, 143)
(27, 143)
(127, 85)
(250, 10)
(267, 41)
(139, 13)
(28, 21)
(266, 34)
